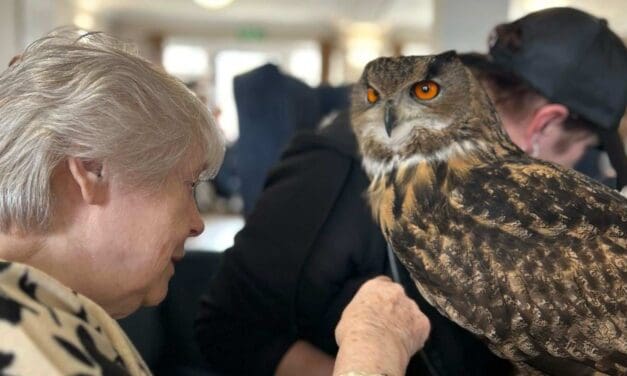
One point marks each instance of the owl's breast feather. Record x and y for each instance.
(522, 253)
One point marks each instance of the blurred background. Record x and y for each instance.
(266, 69)
(293, 59)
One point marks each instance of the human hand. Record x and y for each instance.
(379, 331)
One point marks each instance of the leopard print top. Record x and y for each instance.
(48, 329)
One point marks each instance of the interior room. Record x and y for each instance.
(269, 71)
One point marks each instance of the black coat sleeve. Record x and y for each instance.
(247, 319)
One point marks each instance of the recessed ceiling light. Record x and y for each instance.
(84, 21)
(213, 4)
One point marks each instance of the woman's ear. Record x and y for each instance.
(89, 176)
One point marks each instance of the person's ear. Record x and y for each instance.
(545, 116)
(90, 178)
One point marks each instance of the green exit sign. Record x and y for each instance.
(251, 33)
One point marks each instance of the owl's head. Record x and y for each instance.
(414, 107)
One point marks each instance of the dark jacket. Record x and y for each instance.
(306, 248)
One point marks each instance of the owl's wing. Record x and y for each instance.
(556, 242)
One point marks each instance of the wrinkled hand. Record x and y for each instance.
(380, 329)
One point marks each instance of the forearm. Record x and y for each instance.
(306, 360)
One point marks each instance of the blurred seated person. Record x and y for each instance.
(595, 162)
(100, 152)
(271, 107)
(310, 242)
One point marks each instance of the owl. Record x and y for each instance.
(529, 256)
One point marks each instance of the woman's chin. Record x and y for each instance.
(125, 310)
(158, 291)
(152, 296)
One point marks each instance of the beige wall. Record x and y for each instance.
(8, 32)
(23, 21)
(456, 25)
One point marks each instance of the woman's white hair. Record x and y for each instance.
(91, 96)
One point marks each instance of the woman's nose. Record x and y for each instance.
(197, 224)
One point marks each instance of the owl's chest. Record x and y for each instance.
(413, 209)
(407, 199)
(415, 218)
(432, 243)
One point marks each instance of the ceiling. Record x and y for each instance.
(316, 18)
(313, 17)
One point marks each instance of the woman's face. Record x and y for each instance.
(137, 238)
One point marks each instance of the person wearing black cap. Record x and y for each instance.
(310, 242)
(558, 78)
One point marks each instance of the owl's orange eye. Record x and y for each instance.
(372, 96)
(426, 90)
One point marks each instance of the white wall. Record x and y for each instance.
(38, 17)
(23, 21)
(464, 25)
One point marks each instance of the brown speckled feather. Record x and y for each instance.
(527, 255)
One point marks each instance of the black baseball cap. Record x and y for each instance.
(572, 58)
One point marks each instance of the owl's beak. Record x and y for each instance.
(390, 118)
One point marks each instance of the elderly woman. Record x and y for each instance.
(99, 155)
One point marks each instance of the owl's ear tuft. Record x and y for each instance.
(371, 63)
(446, 56)
(438, 62)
